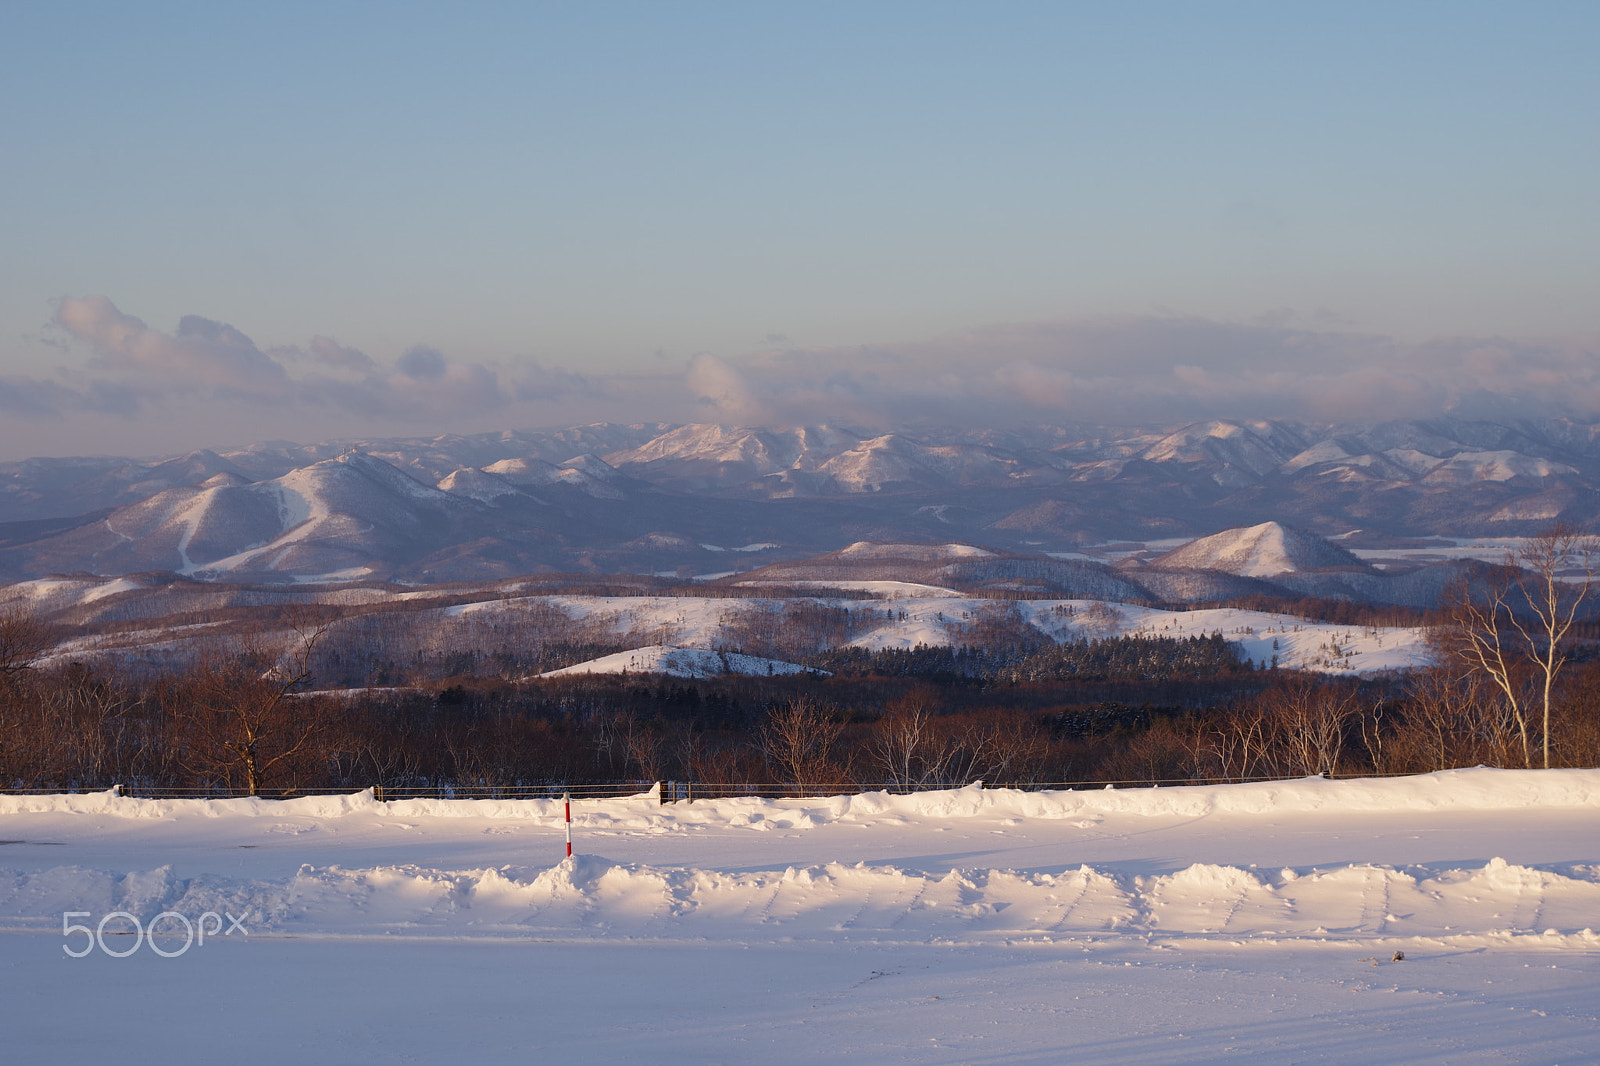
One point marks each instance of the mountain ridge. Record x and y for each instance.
(657, 497)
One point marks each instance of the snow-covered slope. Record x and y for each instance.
(938, 619)
(587, 473)
(814, 489)
(1467, 467)
(478, 485)
(349, 514)
(815, 459)
(1264, 550)
(1235, 453)
(681, 662)
(862, 551)
(1264, 639)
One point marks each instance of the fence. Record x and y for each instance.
(668, 791)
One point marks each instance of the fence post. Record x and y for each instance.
(377, 793)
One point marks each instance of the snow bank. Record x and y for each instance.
(591, 896)
(1480, 789)
(1462, 902)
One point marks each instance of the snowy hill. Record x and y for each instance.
(865, 551)
(477, 485)
(1265, 550)
(682, 631)
(681, 662)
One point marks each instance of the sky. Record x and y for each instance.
(229, 223)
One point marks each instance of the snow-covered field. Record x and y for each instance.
(972, 926)
(1296, 643)
(679, 662)
(919, 614)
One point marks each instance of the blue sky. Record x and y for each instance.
(712, 210)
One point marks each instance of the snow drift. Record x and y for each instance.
(589, 896)
(594, 897)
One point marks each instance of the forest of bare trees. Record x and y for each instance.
(287, 700)
(240, 725)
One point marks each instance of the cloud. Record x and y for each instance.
(422, 364)
(724, 393)
(132, 364)
(331, 353)
(1153, 369)
(28, 397)
(41, 399)
(1156, 369)
(202, 354)
(534, 383)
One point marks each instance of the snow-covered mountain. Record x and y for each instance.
(479, 485)
(350, 515)
(1233, 454)
(654, 497)
(587, 473)
(811, 460)
(1264, 550)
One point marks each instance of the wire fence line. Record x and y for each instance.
(664, 791)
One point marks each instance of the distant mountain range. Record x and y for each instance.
(694, 499)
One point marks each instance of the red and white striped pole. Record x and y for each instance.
(566, 801)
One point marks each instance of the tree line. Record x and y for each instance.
(1514, 683)
(242, 724)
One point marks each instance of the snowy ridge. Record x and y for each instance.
(863, 550)
(380, 511)
(477, 484)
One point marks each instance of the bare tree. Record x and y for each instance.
(1244, 744)
(996, 747)
(24, 638)
(907, 743)
(644, 745)
(1546, 561)
(246, 724)
(798, 740)
(1512, 627)
(1481, 635)
(1313, 721)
